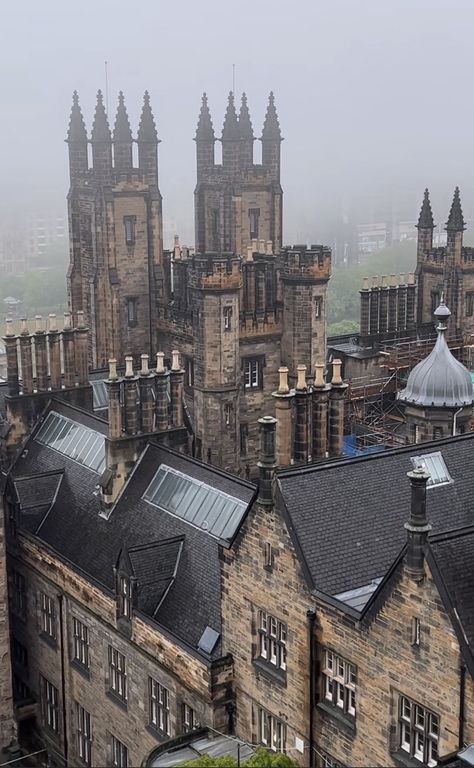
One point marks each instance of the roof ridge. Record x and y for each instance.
(454, 533)
(157, 542)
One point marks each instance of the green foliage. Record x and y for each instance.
(346, 282)
(261, 759)
(43, 289)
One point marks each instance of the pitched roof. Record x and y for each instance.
(348, 523)
(177, 564)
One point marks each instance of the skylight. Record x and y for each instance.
(73, 440)
(434, 464)
(100, 394)
(192, 500)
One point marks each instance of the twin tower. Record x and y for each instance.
(238, 306)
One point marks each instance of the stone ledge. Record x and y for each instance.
(347, 721)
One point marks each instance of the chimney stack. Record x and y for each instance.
(26, 359)
(267, 463)
(147, 399)
(12, 359)
(114, 408)
(162, 377)
(130, 398)
(418, 526)
(41, 356)
(336, 411)
(320, 414)
(54, 344)
(69, 352)
(176, 390)
(302, 416)
(283, 402)
(82, 343)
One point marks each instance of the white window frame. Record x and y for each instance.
(227, 312)
(125, 597)
(81, 642)
(119, 753)
(84, 734)
(419, 731)
(117, 673)
(339, 682)
(272, 640)
(271, 731)
(252, 373)
(159, 706)
(48, 615)
(50, 704)
(189, 718)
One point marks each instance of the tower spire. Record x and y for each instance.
(77, 129)
(230, 130)
(122, 130)
(425, 220)
(147, 128)
(205, 129)
(455, 222)
(271, 127)
(100, 127)
(245, 124)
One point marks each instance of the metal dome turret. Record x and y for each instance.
(439, 381)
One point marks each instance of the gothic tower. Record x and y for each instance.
(115, 225)
(238, 201)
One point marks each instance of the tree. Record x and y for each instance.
(261, 759)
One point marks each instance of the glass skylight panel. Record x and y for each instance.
(434, 464)
(100, 394)
(73, 440)
(196, 502)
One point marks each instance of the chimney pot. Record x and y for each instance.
(384, 281)
(112, 369)
(283, 387)
(249, 253)
(393, 281)
(301, 381)
(38, 324)
(261, 246)
(52, 322)
(160, 362)
(144, 369)
(80, 319)
(365, 284)
(336, 372)
(375, 281)
(128, 367)
(411, 278)
(269, 248)
(9, 327)
(24, 326)
(402, 278)
(175, 366)
(319, 375)
(67, 321)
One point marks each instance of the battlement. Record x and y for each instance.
(306, 263)
(435, 255)
(215, 271)
(467, 254)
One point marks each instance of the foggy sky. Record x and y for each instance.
(371, 94)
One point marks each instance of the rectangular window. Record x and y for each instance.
(419, 731)
(227, 318)
(125, 597)
(318, 306)
(129, 225)
(49, 704)
(253, 373)
(20, 654)
(117, 673)
(131, 312)
(159, 706)
(188, 371)
(272, 640)
(339, 681)
(228, 414)
(244, 439)
(469, 304)
(188, 717)
(254, 214)
(271, 731)
(415, 631)
(18, 594)
(81, 642)
(48, 616)
(119, 754)
(84, 734)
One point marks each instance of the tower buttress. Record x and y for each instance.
(77, 140)
(101, 140)
(123, 159)
(148, 143)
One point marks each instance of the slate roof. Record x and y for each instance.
(347, 517)
(76, 528)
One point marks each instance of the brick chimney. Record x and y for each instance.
(162, 378)
(336, 411)
(176, 390)
(283, 406)
(267, 462)
(26, 358)
(130, 398)
(147, 396)
(41, 356)
(320, 414)
(417, 526)
(302, 401)
(11, 344)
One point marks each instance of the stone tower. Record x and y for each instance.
(115, 226)
(238, 202)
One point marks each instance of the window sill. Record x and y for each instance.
(122, 703)
(345, 720)
(81, 669)
(404, 760)
(51, 641)
(270, 672)
(157, 734)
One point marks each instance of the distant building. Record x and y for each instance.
(45, 230)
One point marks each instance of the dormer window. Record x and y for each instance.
(125, 597)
